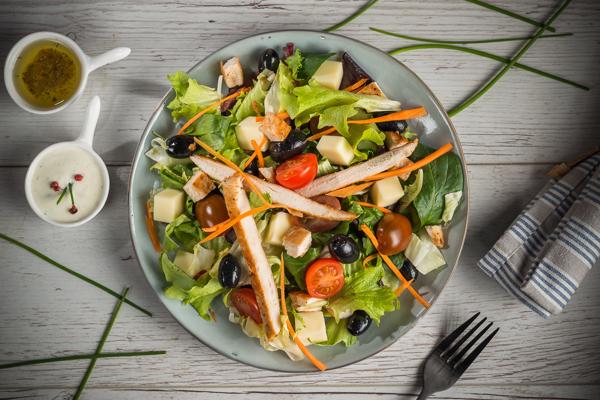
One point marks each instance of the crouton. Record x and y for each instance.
(372, 89)
(436, 234)
(233, 73)
(199, 186)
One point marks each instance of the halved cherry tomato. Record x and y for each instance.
(324, 278)
(298, 171)
(394, 232)
(244, 300)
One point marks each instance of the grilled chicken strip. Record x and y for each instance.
(249, 239)
(279, 194)
(358, 172)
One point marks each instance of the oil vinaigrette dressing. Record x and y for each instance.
(47, 74)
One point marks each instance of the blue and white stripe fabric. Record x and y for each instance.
(547, 251)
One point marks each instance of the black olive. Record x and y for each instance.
(269, 60)
(252, 169)
(229, 271)
(344, 248)
(294, 144)
(358, 323)
(230, 236)
(409, 271)
(391, 126)
(180, 146)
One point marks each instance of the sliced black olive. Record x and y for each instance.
(269, 60)
(352, 71)
(409, 271)
(294, 144)
(358, 323)
(344, 248)
(230, 271)
(391, 126)
(230, 236)
(180, 146)
(252, 168)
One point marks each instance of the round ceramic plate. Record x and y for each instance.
(399, 83)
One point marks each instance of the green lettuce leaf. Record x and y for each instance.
(411, 191)
(190, 96)
(285, 95)
(325, 167)
(202, 296)
(175, 176)
(296, 267)
(295, 63)
(182, 232)
(337, 116)
(255, 98)
(322, 238)
(174, 275)
(212, 130)
(337, 332)
(364, 139)
(311, 63)
(362, 292)
(313, 99)
(440, 177)
(371, 103)
(451, 202)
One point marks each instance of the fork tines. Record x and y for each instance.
(448, 349)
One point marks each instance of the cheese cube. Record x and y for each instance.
(248, 130)
(329, 74)
(188, 263)
(168, 205)
(310, 327)
(386, 191)
(336, 149)
(199, 186)
(279, 224)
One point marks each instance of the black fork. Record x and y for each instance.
(448, 361)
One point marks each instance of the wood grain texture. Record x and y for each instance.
(524, 119)
(511, 137)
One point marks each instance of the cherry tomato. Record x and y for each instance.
(211, 210)
(324, 278)
(393, 233)
(297, 172)
(244, 300)
(316, 225)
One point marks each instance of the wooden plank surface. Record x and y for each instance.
(511, 137)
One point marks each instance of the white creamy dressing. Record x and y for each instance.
(61, 165)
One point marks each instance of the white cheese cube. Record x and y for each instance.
(336, 149)
(386, 191)
(279, 224)
(188, 263)
(248, 130)
(199, 186)
(329, 74)
(310, 327)
(168, 205)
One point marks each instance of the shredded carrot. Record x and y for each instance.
(369, 205)
(225, 225)
(391, 265)
(281, 115)
(356, 85)
(297, 340)
(232, 165)
(414, 166)
(395, 116)
(368, 259)
(319, 135)
(150, 226)
(349, 190)
(402, 287)
(258, 152)
(210, 107)
(254, 153)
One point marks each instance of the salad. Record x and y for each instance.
(300, 198)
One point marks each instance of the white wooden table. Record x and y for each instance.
(511, 138)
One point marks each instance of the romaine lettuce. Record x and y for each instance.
(190, 96)
(182, 232)
(337, 332)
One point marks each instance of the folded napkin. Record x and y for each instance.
(549, 248)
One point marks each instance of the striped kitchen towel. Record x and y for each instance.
(547, 251)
